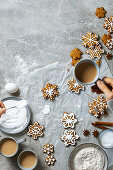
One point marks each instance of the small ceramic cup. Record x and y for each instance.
(16, 141)
(19, 157)
(106, 146)
(89, 61)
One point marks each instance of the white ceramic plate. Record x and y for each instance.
(85, 145)
(17, 129)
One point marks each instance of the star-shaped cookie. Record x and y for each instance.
(69, 120)
(100, 12)
(50, 91)
(73, 86)
(96, 52)
(69, 137)
(35, 130)
(50, 160)
(90, 40)
(108, 24)
(98, 106)
(48, 148)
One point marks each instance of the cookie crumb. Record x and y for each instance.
(98, 62)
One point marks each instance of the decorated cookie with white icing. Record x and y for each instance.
(35, 130)
(98, 106)
(50, 91)
(73, 86)
(50, 160)
(96, 52)
(69, 120)
(108, 24)
(69, 137)
(48, 149)
(90, 40)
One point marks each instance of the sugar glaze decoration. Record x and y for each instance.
(35, 130)
(68, 120)
(69, 137)
(73, 86)
(50, 91)
(97, 106)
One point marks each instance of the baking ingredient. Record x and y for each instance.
(14, 117)
(11, 88)
(106, 138)
(46, 109)
(89, 158)
(27, 159)
(8, 147)
(19, 105)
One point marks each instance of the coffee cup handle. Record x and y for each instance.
(21, 141)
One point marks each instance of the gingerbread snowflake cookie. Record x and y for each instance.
(48, 149)
(69, 120)
(35, 130)
(108, 24)
(73, 86)
(50, 91)
(90, 40)
(69, 137)
(96, 52)
(98, 106)
(109, 43)
(50, 160)
(100, 12)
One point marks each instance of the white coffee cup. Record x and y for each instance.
(19, 158)
(89, 61)
(17, 143)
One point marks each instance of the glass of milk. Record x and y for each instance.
(105, 138)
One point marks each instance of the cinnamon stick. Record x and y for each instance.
(99, 126)
(104, 123)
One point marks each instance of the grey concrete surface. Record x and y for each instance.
(34, 33)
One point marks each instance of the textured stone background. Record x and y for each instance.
(34, 33)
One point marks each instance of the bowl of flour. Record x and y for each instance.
(88, 156)
(16, 119)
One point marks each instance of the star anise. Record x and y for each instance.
(109, 56)
(86, 132)
(95, 133)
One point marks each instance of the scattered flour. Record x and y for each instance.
(46, 109)
(21, 64)
(89, 158)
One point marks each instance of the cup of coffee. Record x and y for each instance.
(9, 146)
(27, 160)
(86, 72)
